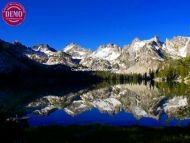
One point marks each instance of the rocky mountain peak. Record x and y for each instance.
(178, 41)
(155, 39)
(177, 47)
(17, 47)
(76, 51)
(44, 48)
(136, 40)
(110, 45)
(137, 44)
(71, 46)
(108, 52)
(16, 42)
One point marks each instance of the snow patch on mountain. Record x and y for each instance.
(76, 51)
(108, 52)
(69, 47)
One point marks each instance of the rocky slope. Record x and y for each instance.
(177, 47)
(102, 58)
(144, 56)
(17, 60)
(12, 58)
(138, 57)
(46, 55)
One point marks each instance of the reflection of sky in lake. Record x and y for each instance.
(93, 116)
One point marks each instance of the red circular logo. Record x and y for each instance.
(14, 13)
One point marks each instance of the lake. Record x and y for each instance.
(127, 104)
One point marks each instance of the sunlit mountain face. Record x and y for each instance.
(123, 104)
(140, 56)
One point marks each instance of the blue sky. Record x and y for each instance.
(91, 23)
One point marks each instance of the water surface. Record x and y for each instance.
(117, 105)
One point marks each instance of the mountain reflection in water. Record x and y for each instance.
(123, 104)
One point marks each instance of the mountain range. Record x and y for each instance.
(141, 56)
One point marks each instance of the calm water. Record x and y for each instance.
(117, 105)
